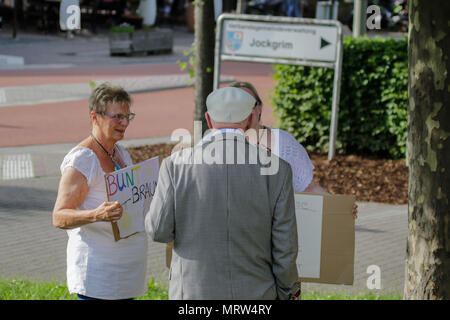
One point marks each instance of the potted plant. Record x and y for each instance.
(152, 40)
(127, 39)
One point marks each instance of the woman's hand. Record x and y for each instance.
(108, 211)
(315, 188)
(71, 194)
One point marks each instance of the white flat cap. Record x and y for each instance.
(229, 105)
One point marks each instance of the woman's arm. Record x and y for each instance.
(72, 191)
(315, 188)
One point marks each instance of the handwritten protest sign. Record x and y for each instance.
(133, 187)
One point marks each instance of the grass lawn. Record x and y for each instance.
(16, 289)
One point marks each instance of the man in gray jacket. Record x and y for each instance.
(231, 218)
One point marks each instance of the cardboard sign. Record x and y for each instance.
(326, 235)
(133, 187)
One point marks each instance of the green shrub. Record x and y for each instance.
(373, 100)
(123, 28)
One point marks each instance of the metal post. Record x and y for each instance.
(217, 53)
(359, 18)
(331, 10)
(14, 30)
(336, 96)
(240, 6)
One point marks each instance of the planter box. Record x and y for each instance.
(159, 40)
(119, 43)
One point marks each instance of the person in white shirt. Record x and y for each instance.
(287, 148)
(97, 266)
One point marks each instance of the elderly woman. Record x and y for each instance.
(97, 266)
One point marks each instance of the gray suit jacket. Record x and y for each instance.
(234, 229)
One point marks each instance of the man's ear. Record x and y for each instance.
(259, 112)
(253, 119)
(208, 120)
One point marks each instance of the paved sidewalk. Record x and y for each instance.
(56, 52)
(158, 112)
(48, 93)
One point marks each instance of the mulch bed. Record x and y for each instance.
(369, 179)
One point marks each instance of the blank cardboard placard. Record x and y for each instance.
(337, 244)
(308, 210)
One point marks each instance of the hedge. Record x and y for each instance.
(373, 100)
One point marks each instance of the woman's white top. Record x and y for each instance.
(286, 147)
(290, 150)
(98, 266)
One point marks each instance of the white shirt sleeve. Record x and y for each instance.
(295, 154)
(82, 159)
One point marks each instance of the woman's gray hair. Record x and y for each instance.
(106, 94)
(248, 85)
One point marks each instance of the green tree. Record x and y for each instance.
(428, 246)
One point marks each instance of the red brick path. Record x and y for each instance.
(158, 113)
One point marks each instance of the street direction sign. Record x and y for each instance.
(282, 40)
(279, 40)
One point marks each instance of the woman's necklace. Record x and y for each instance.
(264, 132)
(116, 164)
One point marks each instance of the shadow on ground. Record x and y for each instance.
(19, 198)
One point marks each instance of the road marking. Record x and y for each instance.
(17, 166)
(2, 96)
(51, 93)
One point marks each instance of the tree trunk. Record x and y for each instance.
(428, 246)
(15, 22)
(204, 59)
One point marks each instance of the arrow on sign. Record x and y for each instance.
(323, 43)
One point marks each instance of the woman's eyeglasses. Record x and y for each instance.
(119, 117)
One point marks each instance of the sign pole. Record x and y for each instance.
(359, 18)
(217, 53)
(336, 96)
